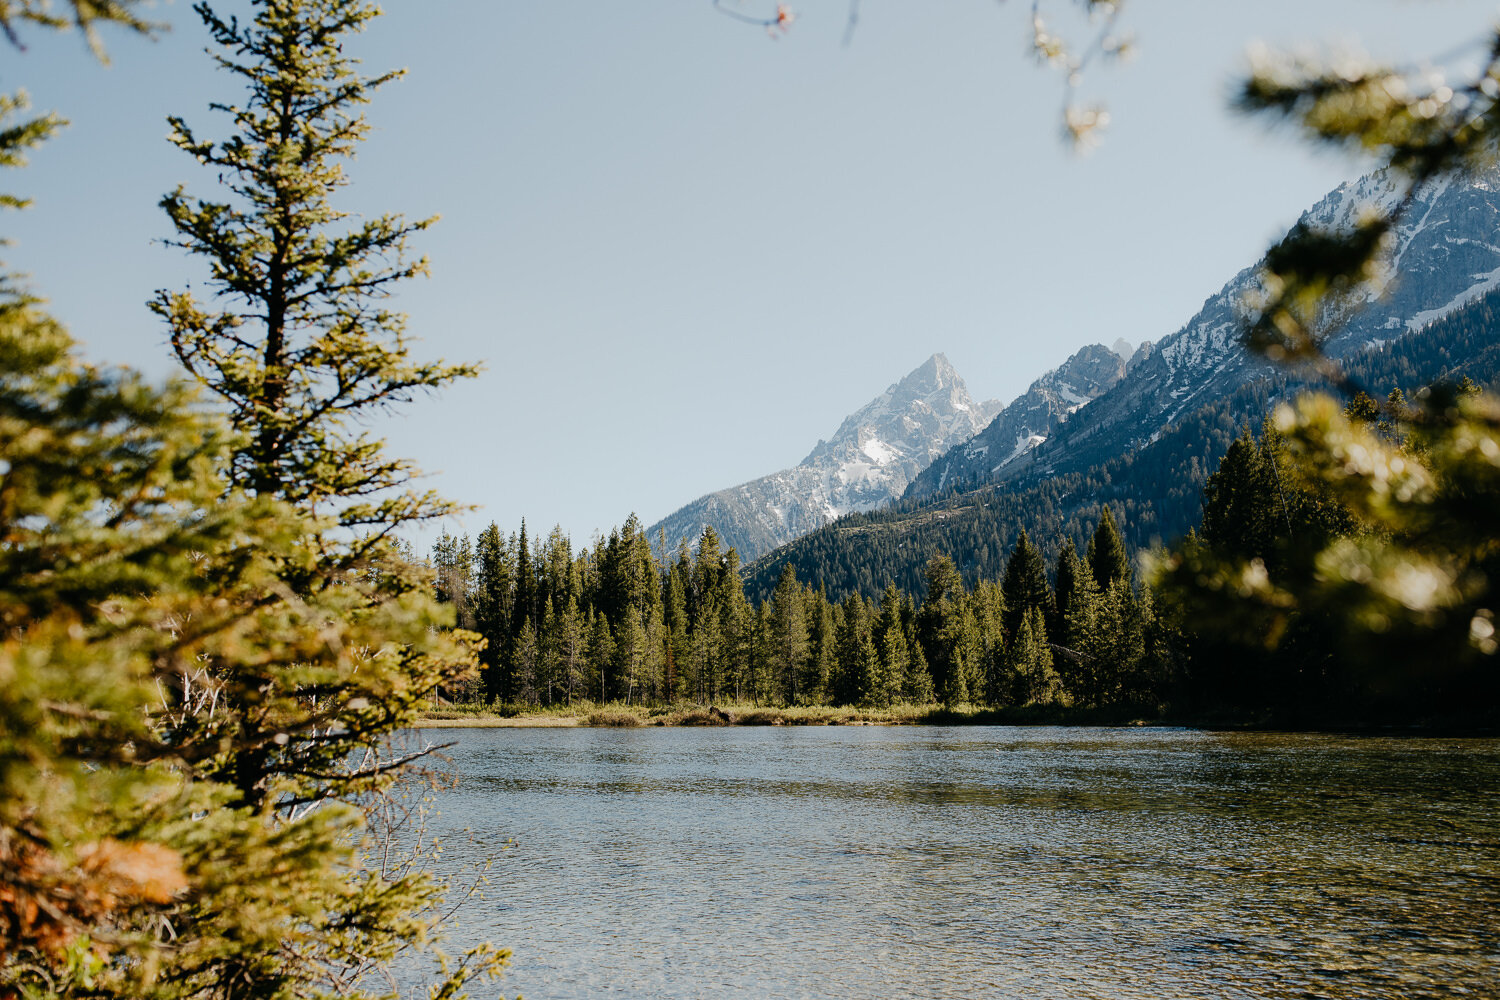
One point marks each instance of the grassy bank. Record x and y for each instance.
(620, 715)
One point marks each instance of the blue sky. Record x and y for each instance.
(684, 250)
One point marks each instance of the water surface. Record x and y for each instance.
(979, 862)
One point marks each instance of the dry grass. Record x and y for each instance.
(620, 715)
(614, 717)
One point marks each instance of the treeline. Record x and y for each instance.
(1346, 569)
(613, 622)
(1156, 489)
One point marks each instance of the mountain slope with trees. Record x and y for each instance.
(1157, 488)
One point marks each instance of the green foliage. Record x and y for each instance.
(201, 675)
(1030, 662)
(1025, 586)
(84, 15)
(1394, 613)
(1106, 553)
(153, 647)
(1154, 492)
(298, 340)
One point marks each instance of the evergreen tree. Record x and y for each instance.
(453, 566)
(526, 666)
(572, 652)
(895, 652)
(939, 629)
(1242, 512)
(523, 610)
(738, 631)
(1106, 553)
(684, 671)
(895, 665)
(788, 637)
(1025, 586)
(549, 656)
(987, 668)
(133, 643)
(1065, 580)
(919, 688)
(601, 657)
(630, 654)
(492, 610)
(821, 663)
(1031, 662)
(762, 680)
(854, 669)
(1082, 629)
(297, 339)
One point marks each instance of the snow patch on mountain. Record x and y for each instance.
(1444, 255)
(1030, 419)
(869, 460)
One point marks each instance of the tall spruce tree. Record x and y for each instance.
(298, 342)
(298, 338)
(1025, 586)
(788, 636)
(1106, 553)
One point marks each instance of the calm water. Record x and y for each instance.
(1004, 862)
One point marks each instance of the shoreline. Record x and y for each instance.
(616, 717)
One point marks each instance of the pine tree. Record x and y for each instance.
(854, 669)
(681, 676)
(630, 654)
(895, 653)
(453, 568)
(526, 665)
(1106, 553)
(1083, 630)
(939, 629)
(918, 690)
(83, 15)
(523, 610)
(572, 653)
(895, 665)
(549, 655)
(738, 631)
(601, 657)
(297, 339)
(1025, 586)
(131, 641)
(821, 662)
(492, 607)
(788, 635)
(1065, 579)
(1031, 662)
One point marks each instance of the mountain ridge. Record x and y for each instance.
(1444, 261)
(868, 461)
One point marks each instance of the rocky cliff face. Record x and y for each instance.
(1009, 440)
(870, 460)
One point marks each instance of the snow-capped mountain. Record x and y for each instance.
(1027, 422)
(870, 460)
(1445, 254)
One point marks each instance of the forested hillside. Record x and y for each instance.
(1157, 489)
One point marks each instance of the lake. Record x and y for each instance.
(978, 862)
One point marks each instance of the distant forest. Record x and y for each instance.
(1007, 600)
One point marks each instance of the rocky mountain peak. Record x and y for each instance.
(868, 461)
(1089, 372)
(1027, 422)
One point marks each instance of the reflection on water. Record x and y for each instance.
(880, 862)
